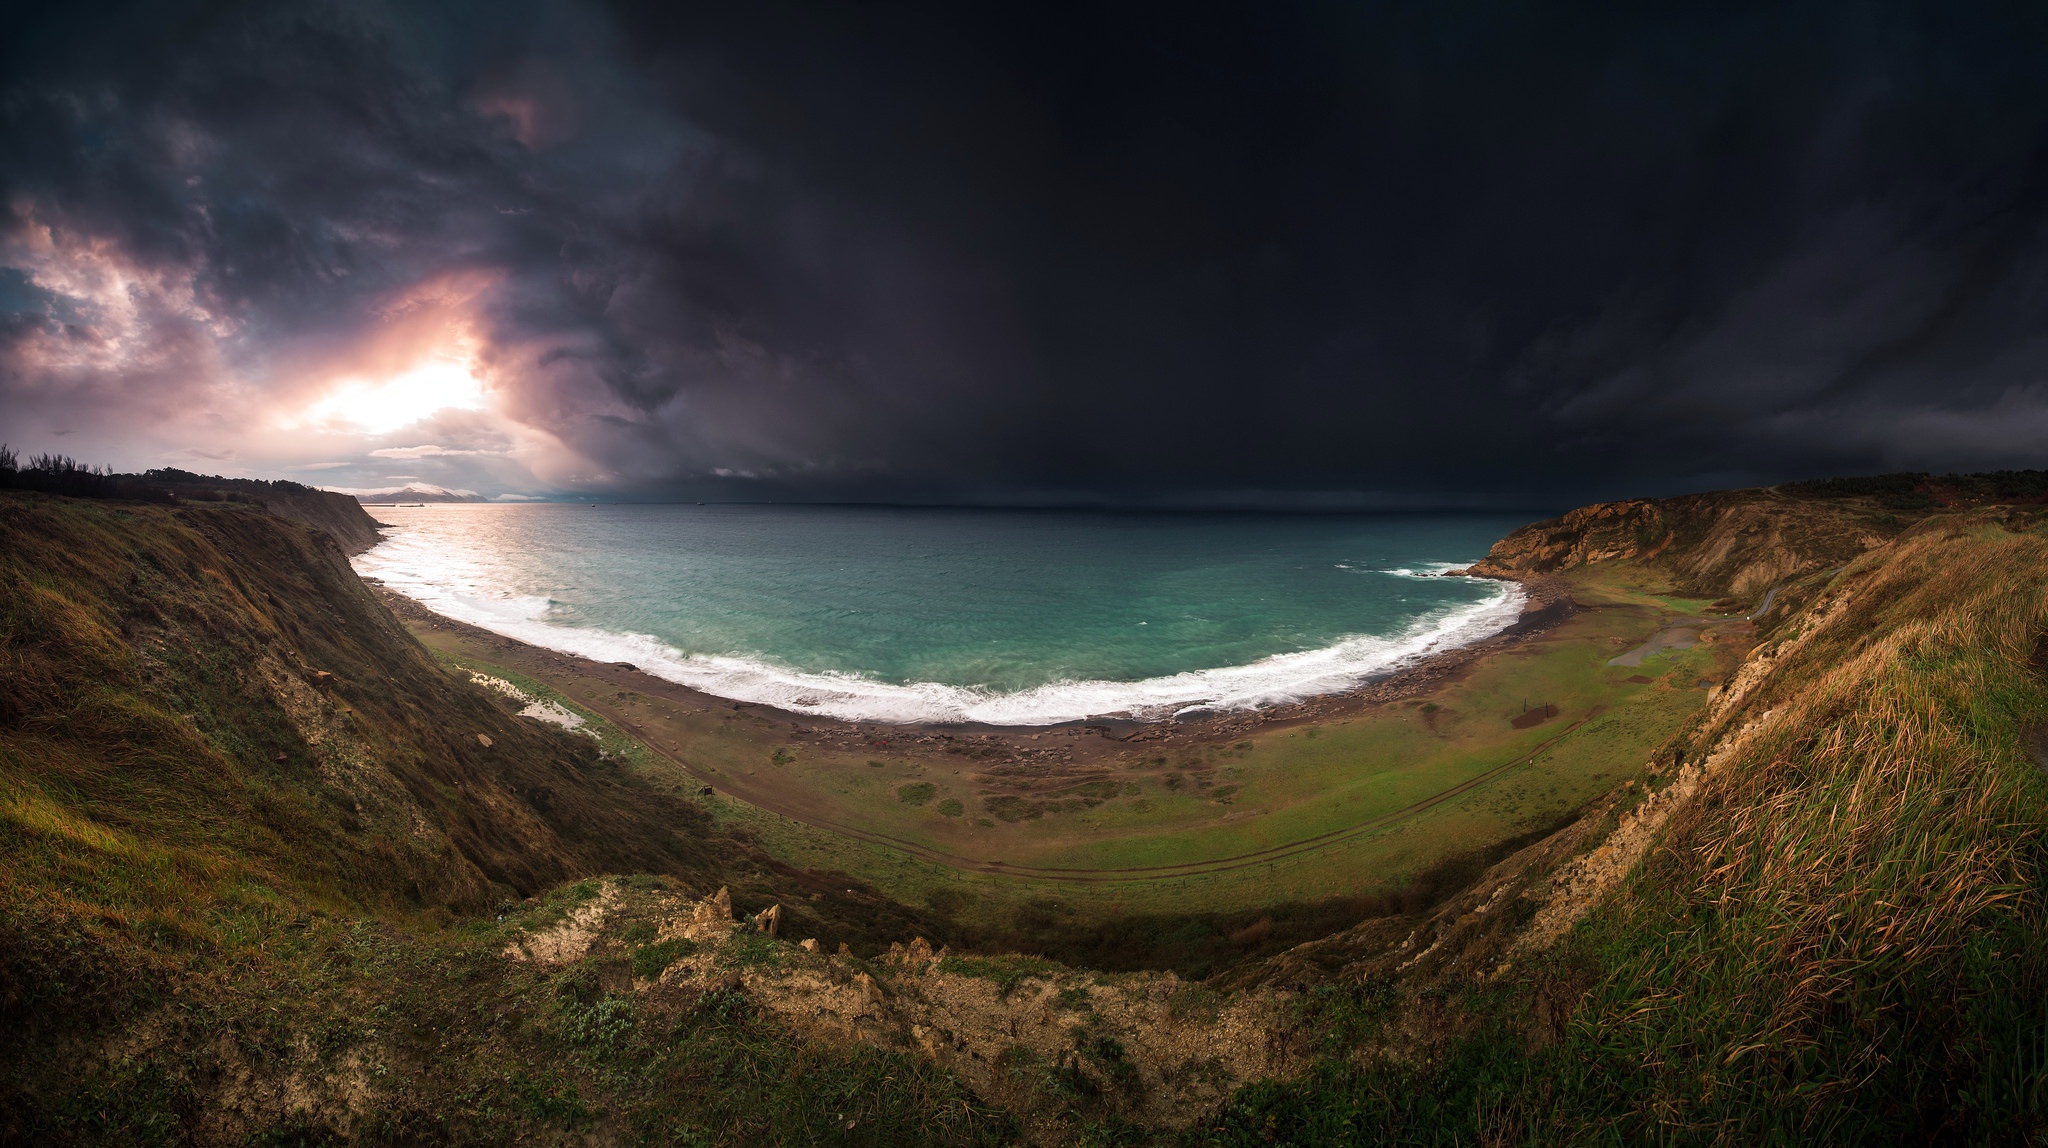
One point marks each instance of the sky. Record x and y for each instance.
(1320, 254)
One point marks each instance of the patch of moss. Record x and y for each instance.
(650, 961)
(1012, 808)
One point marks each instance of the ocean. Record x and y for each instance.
(1001, 617)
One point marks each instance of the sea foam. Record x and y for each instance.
(467, 593)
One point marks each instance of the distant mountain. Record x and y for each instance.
(410, 492)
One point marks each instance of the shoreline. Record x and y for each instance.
(1278, 804)
(1547, 604)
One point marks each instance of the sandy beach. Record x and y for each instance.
(670, 718)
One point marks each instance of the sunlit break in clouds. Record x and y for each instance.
(1318, 255)
(387, 405)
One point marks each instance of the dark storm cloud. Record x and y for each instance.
(1130, 252)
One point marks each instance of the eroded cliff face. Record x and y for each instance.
(1589, 534)
(340, 515)
(337, 514)
(1736, 543)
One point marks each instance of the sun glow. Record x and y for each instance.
(382, 407)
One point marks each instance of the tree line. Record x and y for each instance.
(62, 474)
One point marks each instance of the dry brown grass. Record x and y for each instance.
(1865, 875)
(1842, 938)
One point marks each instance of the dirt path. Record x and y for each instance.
(1683, 635)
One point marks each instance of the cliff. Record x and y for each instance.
(338, 514)
(1740, 542)
(207, 691)
(1733, 543)
(214, 656)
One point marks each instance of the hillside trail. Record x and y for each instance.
(1684, 633)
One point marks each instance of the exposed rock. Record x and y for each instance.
(484, 739)
(916, 957)
(571, 938)
(769, 920)
(708, 922)
(870, 992)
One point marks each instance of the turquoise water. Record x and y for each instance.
(1005, 617)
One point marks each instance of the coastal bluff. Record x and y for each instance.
(1727, 543)
(337, 514)
(340, 515)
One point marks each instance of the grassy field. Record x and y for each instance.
(1293, 816)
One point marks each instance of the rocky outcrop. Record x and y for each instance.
(1589, 534)
(1028, 1035)
(1735, 543)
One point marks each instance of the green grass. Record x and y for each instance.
(1283, 786)
(1840, 941)
(1006, 972)
(652, 960)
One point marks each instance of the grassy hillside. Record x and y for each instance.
(234, 793)
(1837, 937)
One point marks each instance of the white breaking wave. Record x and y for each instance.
(1426, 570)
(1275, 680)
